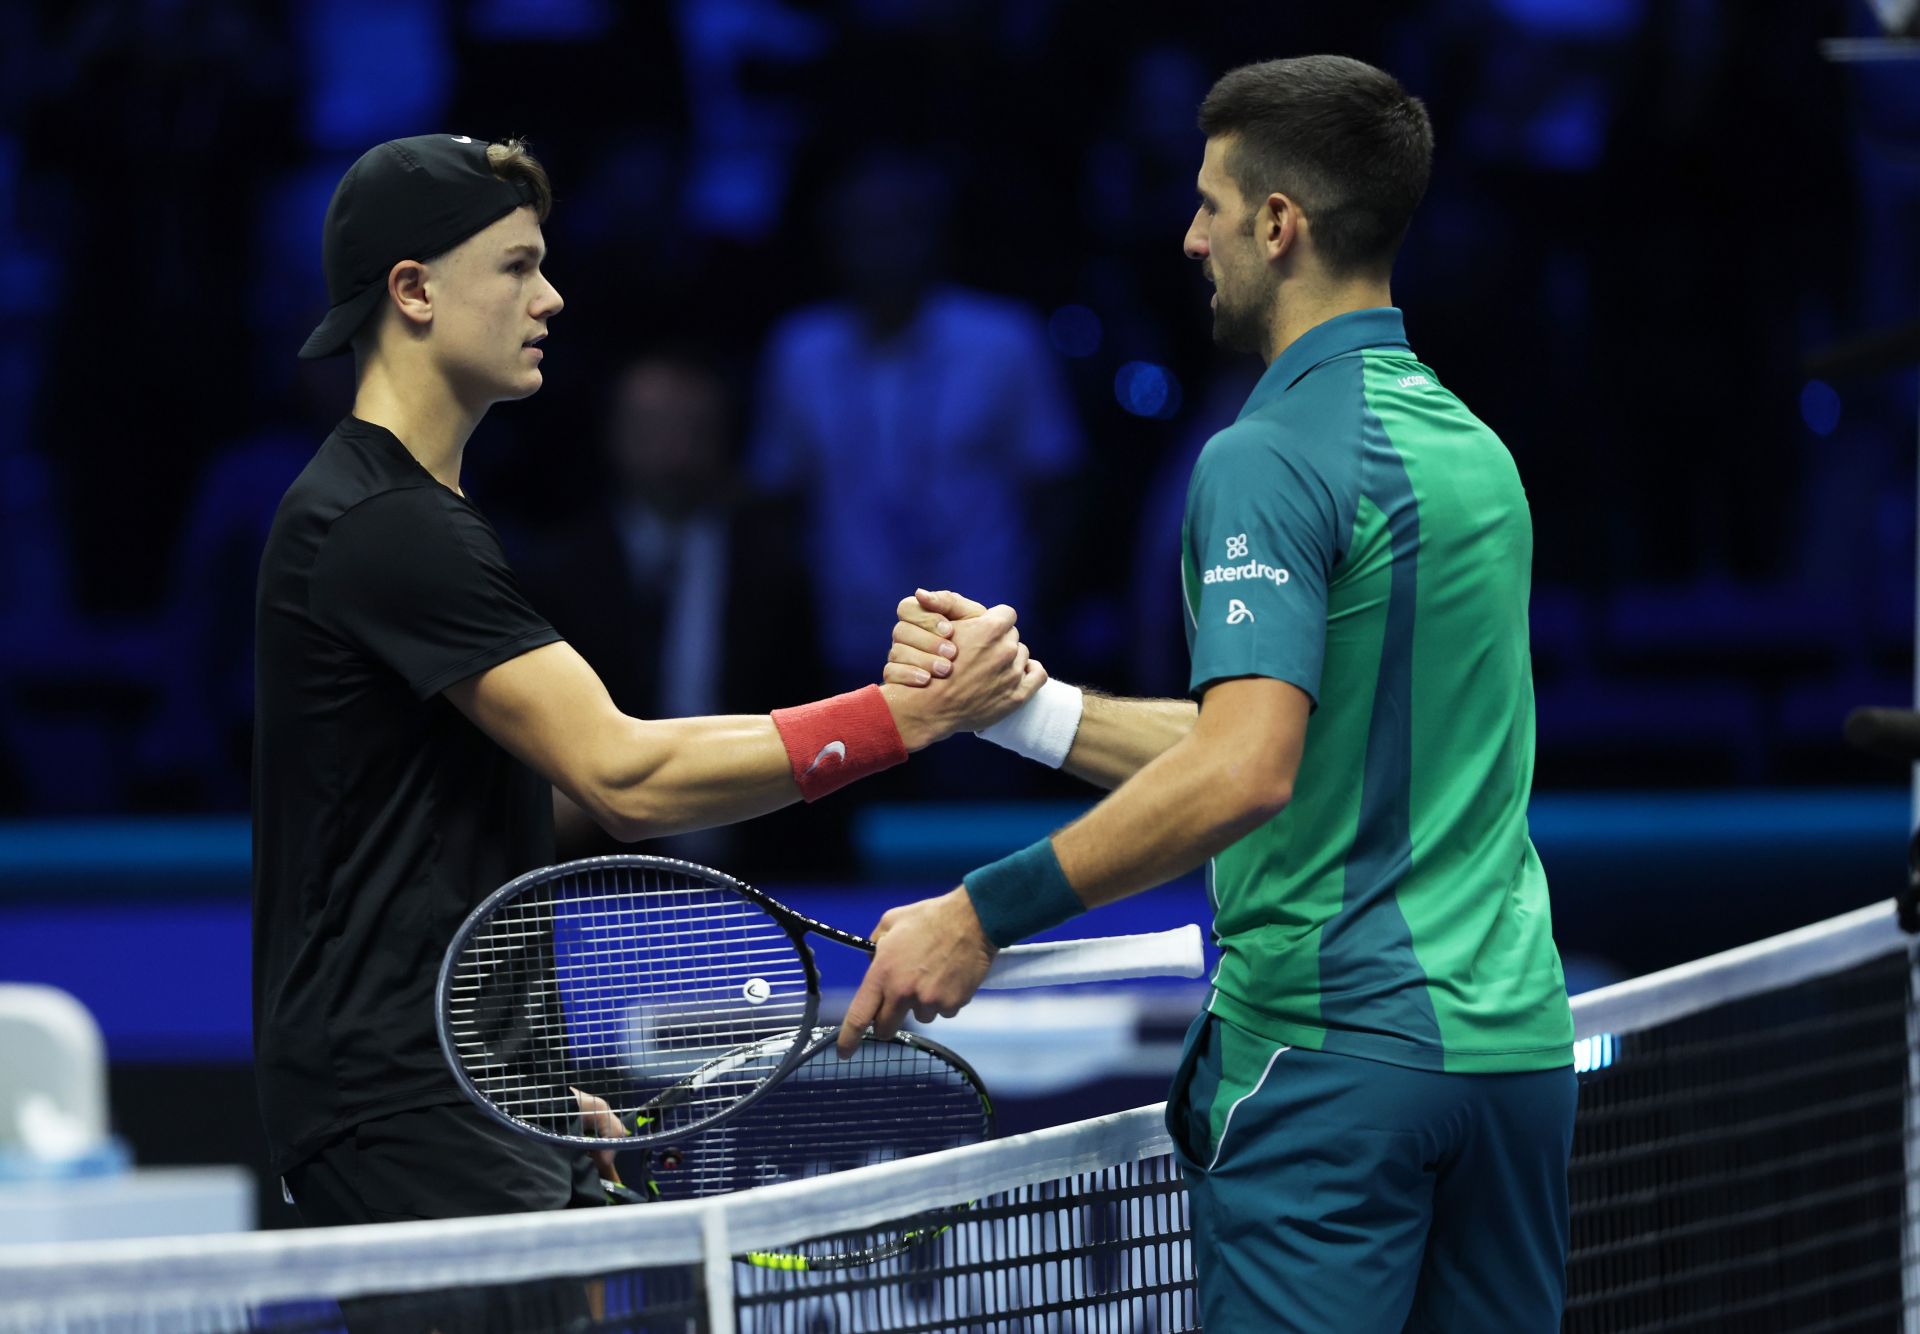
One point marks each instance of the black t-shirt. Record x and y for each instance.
(381, 815)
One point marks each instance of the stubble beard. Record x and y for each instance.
(1243, 327)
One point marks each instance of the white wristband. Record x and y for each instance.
(1044, 727)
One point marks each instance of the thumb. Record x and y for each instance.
(951, 605)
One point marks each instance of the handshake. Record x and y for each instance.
(955, 666)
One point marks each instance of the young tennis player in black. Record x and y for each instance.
(415, 715)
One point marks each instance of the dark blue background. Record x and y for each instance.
(1650, 224)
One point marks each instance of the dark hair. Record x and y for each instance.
(1342, 139)
(512, 163)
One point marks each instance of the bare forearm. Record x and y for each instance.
(1179, 810)
(669, 776)
(1120, 737)
(679, 774)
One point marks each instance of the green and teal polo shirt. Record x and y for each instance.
(1359, 533)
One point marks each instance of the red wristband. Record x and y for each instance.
(832, 742)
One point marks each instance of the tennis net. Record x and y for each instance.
(1743, 1159)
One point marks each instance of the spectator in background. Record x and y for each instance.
(902, 393)
(667, 581)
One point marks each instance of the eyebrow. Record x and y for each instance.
(1206, 198)
(537, 253)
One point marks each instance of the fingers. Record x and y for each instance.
(910, 611)
(892, 1013)
(905, 674)
(866, 1003)
(1034, 677)
(948, 604)
(990, 625)
(928, 644)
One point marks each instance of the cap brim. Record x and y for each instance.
(342, 322)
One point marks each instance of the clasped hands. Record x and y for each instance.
(931, 956)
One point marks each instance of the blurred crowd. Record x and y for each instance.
(863, 294)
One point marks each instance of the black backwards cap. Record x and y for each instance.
(405, 199)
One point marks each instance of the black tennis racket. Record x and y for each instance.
(677, 993)
(894, 1098)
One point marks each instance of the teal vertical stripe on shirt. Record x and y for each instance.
(1369, 946)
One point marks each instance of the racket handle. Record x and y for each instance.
(1174, 953)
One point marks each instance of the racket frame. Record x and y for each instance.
(796, 925)
(823, 1038)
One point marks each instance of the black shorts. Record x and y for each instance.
(447, 1161)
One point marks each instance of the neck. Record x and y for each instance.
(422, 410)
(1302, 312)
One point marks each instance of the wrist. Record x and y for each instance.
(833, 742)
(1022, 895)
(1044, 727)
(910, 715)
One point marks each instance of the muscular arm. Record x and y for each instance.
(645, 778)
(636, 778)
(1232, 772)
(1120, 737)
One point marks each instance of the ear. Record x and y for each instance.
(1278, 226)
(407, 289)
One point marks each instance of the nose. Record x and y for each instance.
(1195, 244)
(549, 303)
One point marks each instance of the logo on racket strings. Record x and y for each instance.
(757, 991)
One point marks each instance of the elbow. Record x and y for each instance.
(624, 829)
(1264, 801)
(618, 809)
(626, 818)
(616, 791)
(1256, 790)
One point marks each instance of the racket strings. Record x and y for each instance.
(890, 1100)
(627, 983)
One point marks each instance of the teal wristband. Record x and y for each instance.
(1022, 895)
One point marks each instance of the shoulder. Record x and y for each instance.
(407, 530)
(1273, 443)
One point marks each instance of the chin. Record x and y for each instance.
(524, 385)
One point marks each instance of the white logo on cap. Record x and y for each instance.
(461, 139)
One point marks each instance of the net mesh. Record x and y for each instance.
(1742, 1161)
(1746, 1167)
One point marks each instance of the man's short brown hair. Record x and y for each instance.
(1340, 138)
(512, 163)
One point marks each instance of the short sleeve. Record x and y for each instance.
(1261, 538)
(418, 582)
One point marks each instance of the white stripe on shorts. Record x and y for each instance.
(1236, 1105)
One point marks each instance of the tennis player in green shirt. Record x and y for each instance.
(1375, 1110)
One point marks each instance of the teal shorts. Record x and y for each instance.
(1337, 1194)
